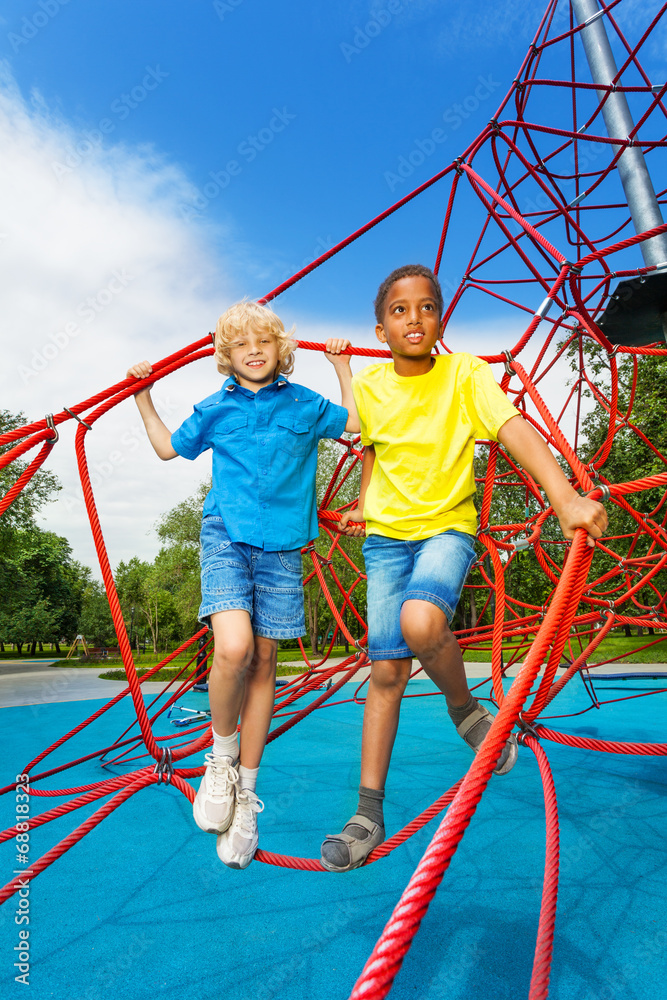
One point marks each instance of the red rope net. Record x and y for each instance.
(554, 233)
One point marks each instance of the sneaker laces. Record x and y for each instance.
(219, 776)
(247, 805)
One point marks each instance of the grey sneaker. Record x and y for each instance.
(474, 728)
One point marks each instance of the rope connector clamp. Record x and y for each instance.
(164, 767)
(526, 728)
(362, 649)
(521, 544)
(509, 361)
(51, 425)
(605, 492)
(77, 417)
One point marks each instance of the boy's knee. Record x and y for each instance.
(391, 675)
(425, 629)
(233, 657)
(264, 659)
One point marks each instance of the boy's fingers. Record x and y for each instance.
(140, 370)
(336, 345)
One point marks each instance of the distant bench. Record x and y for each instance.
(103, 652)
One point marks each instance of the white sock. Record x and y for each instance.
(226, 746)
(248, 777)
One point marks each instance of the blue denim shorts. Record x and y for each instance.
(433, 569)
(236, 576)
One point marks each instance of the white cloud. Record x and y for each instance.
(98, 271)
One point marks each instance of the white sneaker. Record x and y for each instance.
(213, 807)
(236, 848)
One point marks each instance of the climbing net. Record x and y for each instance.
(554, 234)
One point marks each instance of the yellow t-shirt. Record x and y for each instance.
(423, 428)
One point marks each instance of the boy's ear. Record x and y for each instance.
(380, 334)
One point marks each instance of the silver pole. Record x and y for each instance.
(635, 178)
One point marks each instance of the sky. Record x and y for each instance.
(163, 159)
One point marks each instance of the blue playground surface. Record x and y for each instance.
(142, 908)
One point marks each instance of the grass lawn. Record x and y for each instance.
(617, 645)
(143, 662)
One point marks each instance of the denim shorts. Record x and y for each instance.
(433, 569)
(236, 576)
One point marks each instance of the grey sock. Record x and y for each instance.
(370, 806)
(457, 715)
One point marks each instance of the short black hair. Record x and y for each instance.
(407, 271)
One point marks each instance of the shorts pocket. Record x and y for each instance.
(213, 538)
(291, 561)
(294, 436)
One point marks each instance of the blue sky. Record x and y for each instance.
(350, 103)
(163, 159)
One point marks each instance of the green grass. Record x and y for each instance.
(286, 660)
(608, 648)
(47, 654)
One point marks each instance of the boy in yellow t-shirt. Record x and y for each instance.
(420, 416)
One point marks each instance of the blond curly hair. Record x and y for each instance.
(244, 317)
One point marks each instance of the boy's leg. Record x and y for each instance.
(381, 712)
(213, 808)
(426, 629)
(236, 847)
(365, 830)
(258, 701)
(427, 632)
(233, 652)
(388, 566)
(277, 613)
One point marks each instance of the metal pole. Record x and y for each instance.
(635, 178)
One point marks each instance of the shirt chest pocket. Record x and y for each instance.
(230, 435)
(294, 436)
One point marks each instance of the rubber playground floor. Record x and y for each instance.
(142, 908)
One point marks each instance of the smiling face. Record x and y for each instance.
(254, 359)
(411, 324)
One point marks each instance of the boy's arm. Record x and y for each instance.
(341, 363)
(357, 514)
(572, 510)
(159, 434)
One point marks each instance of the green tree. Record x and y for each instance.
(95, 621)
(642, 390)
(42, 588)
(34, 495)
(320, 620)
(145, 602)
(177, 564)
(525, 581)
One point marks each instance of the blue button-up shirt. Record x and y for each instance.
(264, 459)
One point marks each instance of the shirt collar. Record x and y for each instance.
(231, 384)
